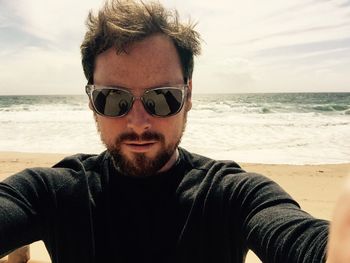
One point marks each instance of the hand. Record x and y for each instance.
(20, 255)
(339, 235)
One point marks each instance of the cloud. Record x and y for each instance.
(295, 32)
(305, 48)
(255, 45)
(40, 46)
(14, 39)
(57, 22)
(32, 70)
(283, 23)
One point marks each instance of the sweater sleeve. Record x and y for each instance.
(274, 226)
(23, 198)
(54, 205)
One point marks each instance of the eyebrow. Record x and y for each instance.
(164, 84)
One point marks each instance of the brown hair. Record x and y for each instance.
(121, 22)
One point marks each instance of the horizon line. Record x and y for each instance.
(199, 93)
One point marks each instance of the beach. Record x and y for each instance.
(315, 187)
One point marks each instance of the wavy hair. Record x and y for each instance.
(120, 23)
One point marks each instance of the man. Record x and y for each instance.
(145, 199)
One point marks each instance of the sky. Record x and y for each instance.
(248, 45)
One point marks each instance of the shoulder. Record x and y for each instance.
(67, 175)
(225, 172)
(203, 173)
(82, 161)
(201, 163)
(227, 179)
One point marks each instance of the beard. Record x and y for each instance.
(139, 164)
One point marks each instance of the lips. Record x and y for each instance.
(140, 146)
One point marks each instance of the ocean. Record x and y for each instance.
(290, 128)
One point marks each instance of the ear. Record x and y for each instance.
(189, 96)
(90, 106)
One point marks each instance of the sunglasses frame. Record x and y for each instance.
(90, 88)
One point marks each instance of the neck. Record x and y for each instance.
(171, 162)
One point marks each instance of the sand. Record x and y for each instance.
(315, 187)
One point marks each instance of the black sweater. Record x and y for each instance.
(200, 211)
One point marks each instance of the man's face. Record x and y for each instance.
(141, 144)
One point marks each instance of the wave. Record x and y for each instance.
(248, 129)
(265, 110)
(328, 108)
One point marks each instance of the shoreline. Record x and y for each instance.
(54, 155)
(314, 186)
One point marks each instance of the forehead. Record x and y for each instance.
(149, 62)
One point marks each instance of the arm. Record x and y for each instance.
(22, 199)
(20, 255)
(274, 226)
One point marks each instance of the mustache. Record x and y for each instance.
(146, 136)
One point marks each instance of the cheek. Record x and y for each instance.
(109, 128)
(173, 128)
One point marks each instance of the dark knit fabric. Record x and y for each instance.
(201, 211)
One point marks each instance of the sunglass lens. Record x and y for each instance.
(111, 102)
(163, 102)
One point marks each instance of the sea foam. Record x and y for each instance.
(263, 128)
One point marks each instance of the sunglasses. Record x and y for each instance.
(117, 102)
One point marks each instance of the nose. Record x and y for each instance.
(137, 118)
